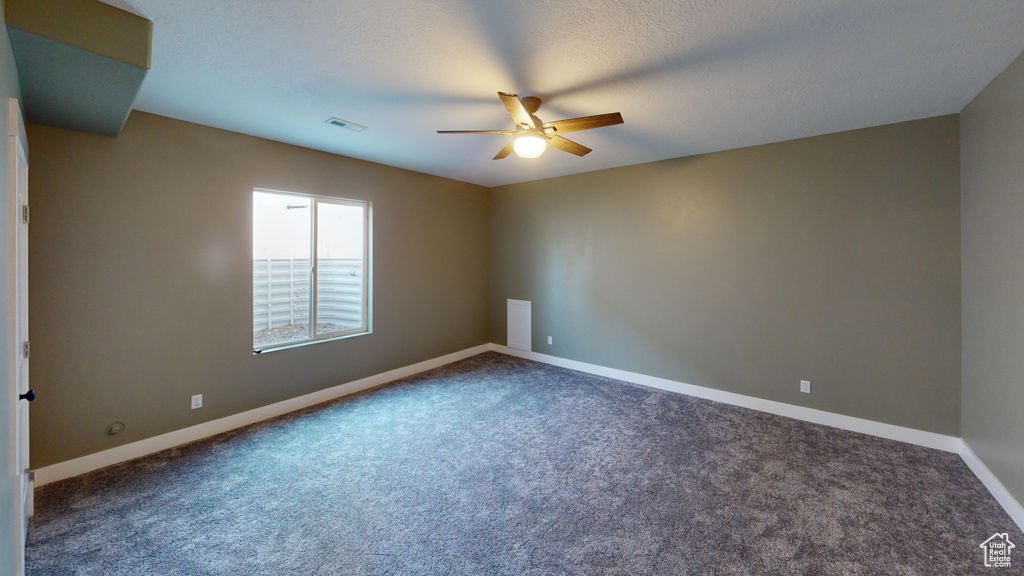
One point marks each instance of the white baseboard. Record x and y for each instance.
(1001, 494)
(890, 431)
(69, 468)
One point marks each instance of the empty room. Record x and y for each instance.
(468, 287)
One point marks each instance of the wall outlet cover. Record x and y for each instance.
(805, 386)
(197, 401)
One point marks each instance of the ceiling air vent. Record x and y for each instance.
(346, 124)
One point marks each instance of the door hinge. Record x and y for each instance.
(30, 474)
(26, 349)
(24, 214)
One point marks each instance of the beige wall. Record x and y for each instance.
(141, 285)
(993, 277)
(9, 522)
(834, 259)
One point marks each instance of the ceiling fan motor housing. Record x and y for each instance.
(532, 104)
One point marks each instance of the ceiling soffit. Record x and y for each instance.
(80, 63)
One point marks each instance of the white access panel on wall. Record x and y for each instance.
(520, 328)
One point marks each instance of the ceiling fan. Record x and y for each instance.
(531, 136)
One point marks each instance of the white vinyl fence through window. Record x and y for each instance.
(280, 292)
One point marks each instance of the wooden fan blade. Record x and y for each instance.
(475, 132)
(556, 141)
(515, 107)
(585, 123)
(504, 151)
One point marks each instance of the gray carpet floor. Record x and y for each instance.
(497, 465)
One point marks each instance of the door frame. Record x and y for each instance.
(17, 267)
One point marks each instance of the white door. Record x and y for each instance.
(18, 268)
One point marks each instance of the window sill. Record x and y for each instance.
(326, 338)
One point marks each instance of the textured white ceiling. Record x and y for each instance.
(688, 76)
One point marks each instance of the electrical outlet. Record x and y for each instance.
(549, 339)
(805, 386)
(197, 401)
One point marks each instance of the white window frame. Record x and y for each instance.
(367, 326)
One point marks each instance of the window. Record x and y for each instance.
(310, 269)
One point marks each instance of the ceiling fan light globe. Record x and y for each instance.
(529, 145)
